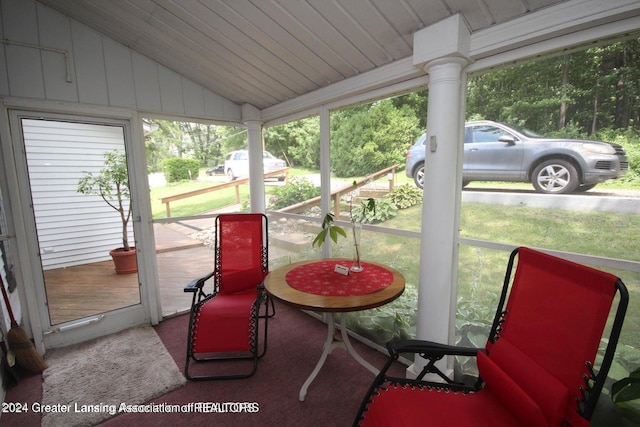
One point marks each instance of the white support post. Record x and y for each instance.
(251, 118)
(325, 173)
(442, 50)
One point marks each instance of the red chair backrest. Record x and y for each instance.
(240, 251)
(555, 317)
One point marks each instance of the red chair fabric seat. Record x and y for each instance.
(234, 281)
(223, 323)
(403, 406)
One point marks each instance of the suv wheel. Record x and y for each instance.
(555, 177)
(418, 176)
(230, 175)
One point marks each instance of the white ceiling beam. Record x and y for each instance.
(386, 75)
(576, 41)
(551, 22)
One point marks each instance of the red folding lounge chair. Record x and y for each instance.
(537, 368)
(225, 324)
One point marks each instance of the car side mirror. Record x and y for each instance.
(508, 139)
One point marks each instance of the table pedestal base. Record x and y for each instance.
(329, 345)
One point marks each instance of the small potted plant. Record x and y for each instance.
(112, 184)
(335, 231)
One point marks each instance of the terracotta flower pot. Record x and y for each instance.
(125, 261)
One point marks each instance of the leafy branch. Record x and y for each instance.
(328, 229)
(335, 231)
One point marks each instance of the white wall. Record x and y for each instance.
(46, 56)
(101, 71)
(73, 228)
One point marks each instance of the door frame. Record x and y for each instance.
(31, 292)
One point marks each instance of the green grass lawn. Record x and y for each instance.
(193, 205)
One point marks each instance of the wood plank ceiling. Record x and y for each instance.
(264, 52)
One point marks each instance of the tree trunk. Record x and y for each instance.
(562, 119)
(594, 121)
(621, 119)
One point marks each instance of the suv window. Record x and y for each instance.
(485, 134)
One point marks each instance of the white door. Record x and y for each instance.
(78, 292)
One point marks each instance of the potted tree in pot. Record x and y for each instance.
(112, 184)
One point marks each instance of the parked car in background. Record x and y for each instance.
(236, 164)
(217, 170)
(497, 152)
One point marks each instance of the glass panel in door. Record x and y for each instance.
(77, 225)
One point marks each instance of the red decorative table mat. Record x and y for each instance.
(319, 278)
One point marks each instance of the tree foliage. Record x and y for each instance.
(111, 183)
(593, 94)
(371, 137)
(206, 143)
(297, 142)
(177, 169)
(590, 90)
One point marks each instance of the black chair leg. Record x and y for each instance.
(269, 303)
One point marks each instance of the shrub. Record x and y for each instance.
(405, 196)
(630, 140)
(295, 191)
(384, 210)
(177, 169)
(633, 155)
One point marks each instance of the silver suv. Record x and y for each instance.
(236, 164)
(496, 152)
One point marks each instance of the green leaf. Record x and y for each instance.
(370, 205)
(627, 389)
(319, 240)
(333, 231)
(328, 219)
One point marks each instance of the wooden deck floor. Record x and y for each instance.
(90, 289)
(76, 292)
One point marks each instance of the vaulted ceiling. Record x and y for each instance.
(265, 52)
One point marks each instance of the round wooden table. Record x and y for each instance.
(277, 286)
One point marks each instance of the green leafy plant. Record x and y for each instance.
(112, 184)
(373, 210)
(328, 229)
(473, 323)
(387, 323)
(405, 196)
(177, 169)
(296, 191)
(626, 389)
(334, 231)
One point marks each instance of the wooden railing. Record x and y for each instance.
(236, 183)
(336, 195)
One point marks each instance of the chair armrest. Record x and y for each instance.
(197, 284)
(432, 352)
(429, 349)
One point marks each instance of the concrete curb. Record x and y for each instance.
(561, 202)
